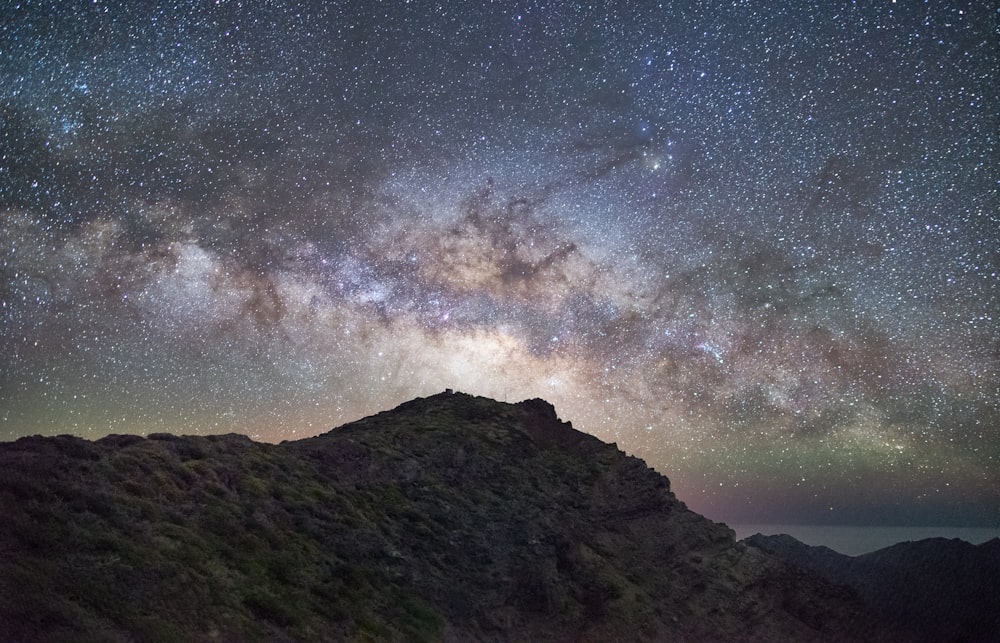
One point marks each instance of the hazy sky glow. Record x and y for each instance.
(756, 245)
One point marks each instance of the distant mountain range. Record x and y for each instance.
(936, 589)
(449, 518)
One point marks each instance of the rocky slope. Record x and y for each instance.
(449, 518)
(936, 589)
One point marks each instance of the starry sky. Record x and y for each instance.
(756, 244)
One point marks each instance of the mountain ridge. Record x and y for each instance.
(447, 518)
(935, 589)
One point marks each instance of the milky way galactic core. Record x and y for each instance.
(756, 244)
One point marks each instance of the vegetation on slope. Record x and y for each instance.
(448, 518)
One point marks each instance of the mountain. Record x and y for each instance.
(936, 589)
(448, 518)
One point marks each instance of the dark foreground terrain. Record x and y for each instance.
(936, 589)
(449, 518)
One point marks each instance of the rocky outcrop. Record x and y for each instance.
(448, 518)
(935, 589)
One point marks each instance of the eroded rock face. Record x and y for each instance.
(448, 518)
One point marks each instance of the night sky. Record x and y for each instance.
(756, 244)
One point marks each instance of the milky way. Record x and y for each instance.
(756, 245)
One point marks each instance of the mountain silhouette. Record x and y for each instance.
(449, 518)
(936, 589)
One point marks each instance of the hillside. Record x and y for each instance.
(447, 518)
(938, 589)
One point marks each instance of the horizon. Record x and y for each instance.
(854, 540)
(754, 245)
(809, 533)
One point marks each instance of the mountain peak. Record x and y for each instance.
(535, 419)
(449, 517)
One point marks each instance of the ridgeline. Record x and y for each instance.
(448, 518)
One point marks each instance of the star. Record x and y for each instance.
(754, 245)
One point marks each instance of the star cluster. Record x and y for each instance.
(756, 244)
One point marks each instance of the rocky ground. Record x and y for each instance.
(448, 518)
